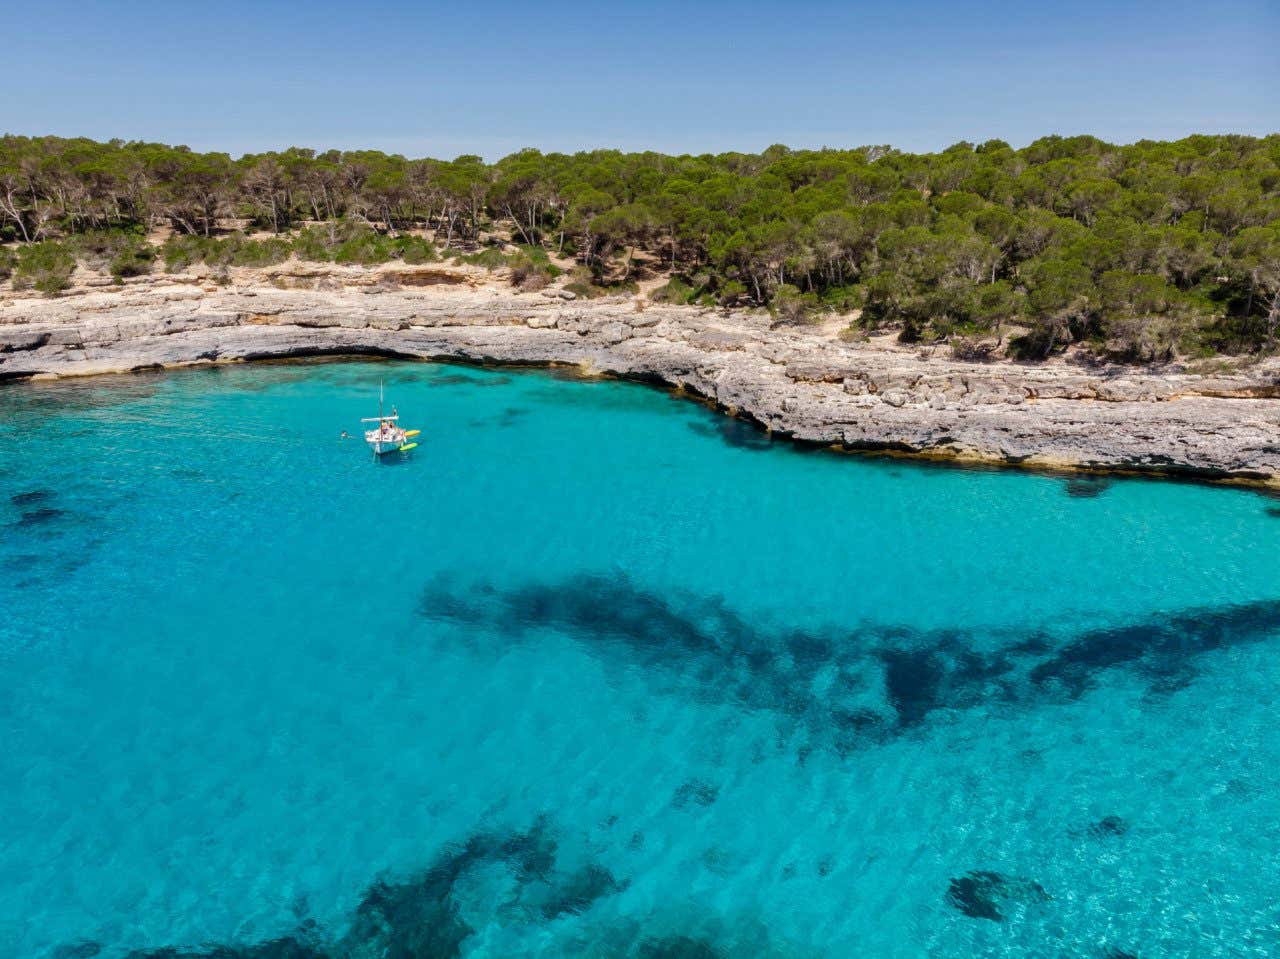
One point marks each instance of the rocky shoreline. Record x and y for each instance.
(802, 382)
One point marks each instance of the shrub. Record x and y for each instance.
(491, 258)
(844, 299)
(7, 260)
(532, 269)
(182, 250)
(259, 252)
(133, 261)
(972, 350)
(789, 305)
(365, 248)
(415, 250)
(1145, 339)
(46, 266)
(344, 241)
(123, 252)
(675, 290)
(96, 247)
(1047, 333)
(733, 292)
(315, 243)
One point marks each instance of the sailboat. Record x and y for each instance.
(387, 436)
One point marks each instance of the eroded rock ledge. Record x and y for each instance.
(802, 383)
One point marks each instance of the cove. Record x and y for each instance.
(598, 672)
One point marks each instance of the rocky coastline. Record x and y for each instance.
(807, 383)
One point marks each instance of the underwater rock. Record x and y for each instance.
(511, 415)
(695, 792)
(675, 634)
(85, 949)
(1160, 647)
(677, 947)
(580, 890)
(985, 895)
(416, 919)
(1108, 826)
(735, 432)
(1087, 487)
(913, 678)
(1273, 511)
(420, 917)
(39, 516)
(286, 948)
(22, 562)
(31, 497)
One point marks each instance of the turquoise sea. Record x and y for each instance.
(598, 672)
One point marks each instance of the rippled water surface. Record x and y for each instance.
(594, 672)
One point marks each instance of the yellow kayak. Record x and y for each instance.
(412, 432)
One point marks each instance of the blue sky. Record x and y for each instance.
(428, 79)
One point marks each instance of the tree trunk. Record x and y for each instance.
(11, 209)
(516, 220)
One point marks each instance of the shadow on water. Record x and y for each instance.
(1086, 487)
(735, 433)
(851, 686)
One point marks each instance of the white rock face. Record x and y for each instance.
(800, 382)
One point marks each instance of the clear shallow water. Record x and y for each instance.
(599, 673)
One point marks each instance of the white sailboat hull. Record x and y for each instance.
(385, 441)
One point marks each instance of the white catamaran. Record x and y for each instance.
(387, 436)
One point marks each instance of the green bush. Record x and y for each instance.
(241, 251)
(532, 269)
(7, 261)
(358, 243)
(491, 258)
(415, 249)
(732, 292)
(46, 267)
(366, 249)
(342, 241)
(314, 244)
(844, 299)
(789, 305)
(122, 252)
(675, 290)
(133, 261)
(181, 251)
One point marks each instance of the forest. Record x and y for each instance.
(1141, 252)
